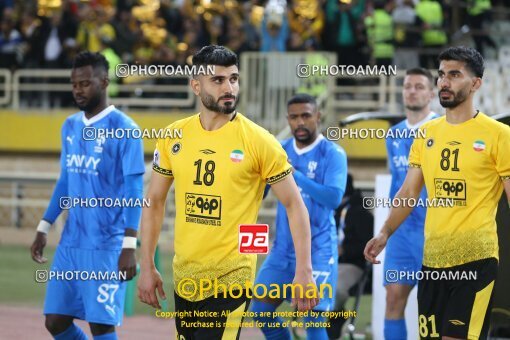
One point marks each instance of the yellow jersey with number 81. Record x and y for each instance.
(463, 164)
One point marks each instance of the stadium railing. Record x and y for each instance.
(268, 80)
(5, 86)
(141, 91)
(24, 197)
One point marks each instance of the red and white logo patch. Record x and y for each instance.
(253, 238)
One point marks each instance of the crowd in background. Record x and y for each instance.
(358, 31)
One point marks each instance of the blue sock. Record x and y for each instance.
(395, 329)
(270, 331)
(107, 336)
(316, 333)
(73, 332)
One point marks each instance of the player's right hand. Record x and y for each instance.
(300, 300)
(148, 282)
(374, 248)
(37, 248)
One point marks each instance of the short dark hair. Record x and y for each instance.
(302, 98)
(215, 55)
(96, 60)
(422, 72)
(473, 59)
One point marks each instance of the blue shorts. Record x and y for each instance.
(86, 295)
(276, 270)
(404, 256)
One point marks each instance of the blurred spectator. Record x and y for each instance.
(170, 11)
(143, 52)
(275, 28)
(113, 60)
(479, 13)
(355, 228)
(121, 4)
(306, 22)
(57, 41)
(341, 33)
(433, 37)
(296, 43)
(30, 29)
(407, 35)
(94, 27)
(195, 33)
(164, 55)
(252, 38)
(216, 30)
(55, 50)
(238, 43)
(70, 11)
(10, 44)
(6, 8)
(379, 27)
(127, 33)
(137, 30)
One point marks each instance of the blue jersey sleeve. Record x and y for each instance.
(133, 188)
(336, 171)
(60, 191)
(132, 155)
(329, 197)
(61, 188)
(330, 194)
(133, 169)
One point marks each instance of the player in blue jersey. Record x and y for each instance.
(99, 239)
(320, 171)
(404, 251)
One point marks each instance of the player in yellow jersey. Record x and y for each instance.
(464, 165)
(220, 167)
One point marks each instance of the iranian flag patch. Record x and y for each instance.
(479, 145)
(236, 156)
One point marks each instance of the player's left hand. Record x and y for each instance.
(36, 250)
(305, 281)
(374, 247)
(127, 263)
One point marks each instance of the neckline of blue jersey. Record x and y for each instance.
(309, 147)
(421, 122)
(97, 117)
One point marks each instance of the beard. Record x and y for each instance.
(306, 138)
(458, 98)
(91, 104)
(214, 105)
(415, 107)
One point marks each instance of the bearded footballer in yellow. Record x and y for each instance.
(220, 168)
(464, 158)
